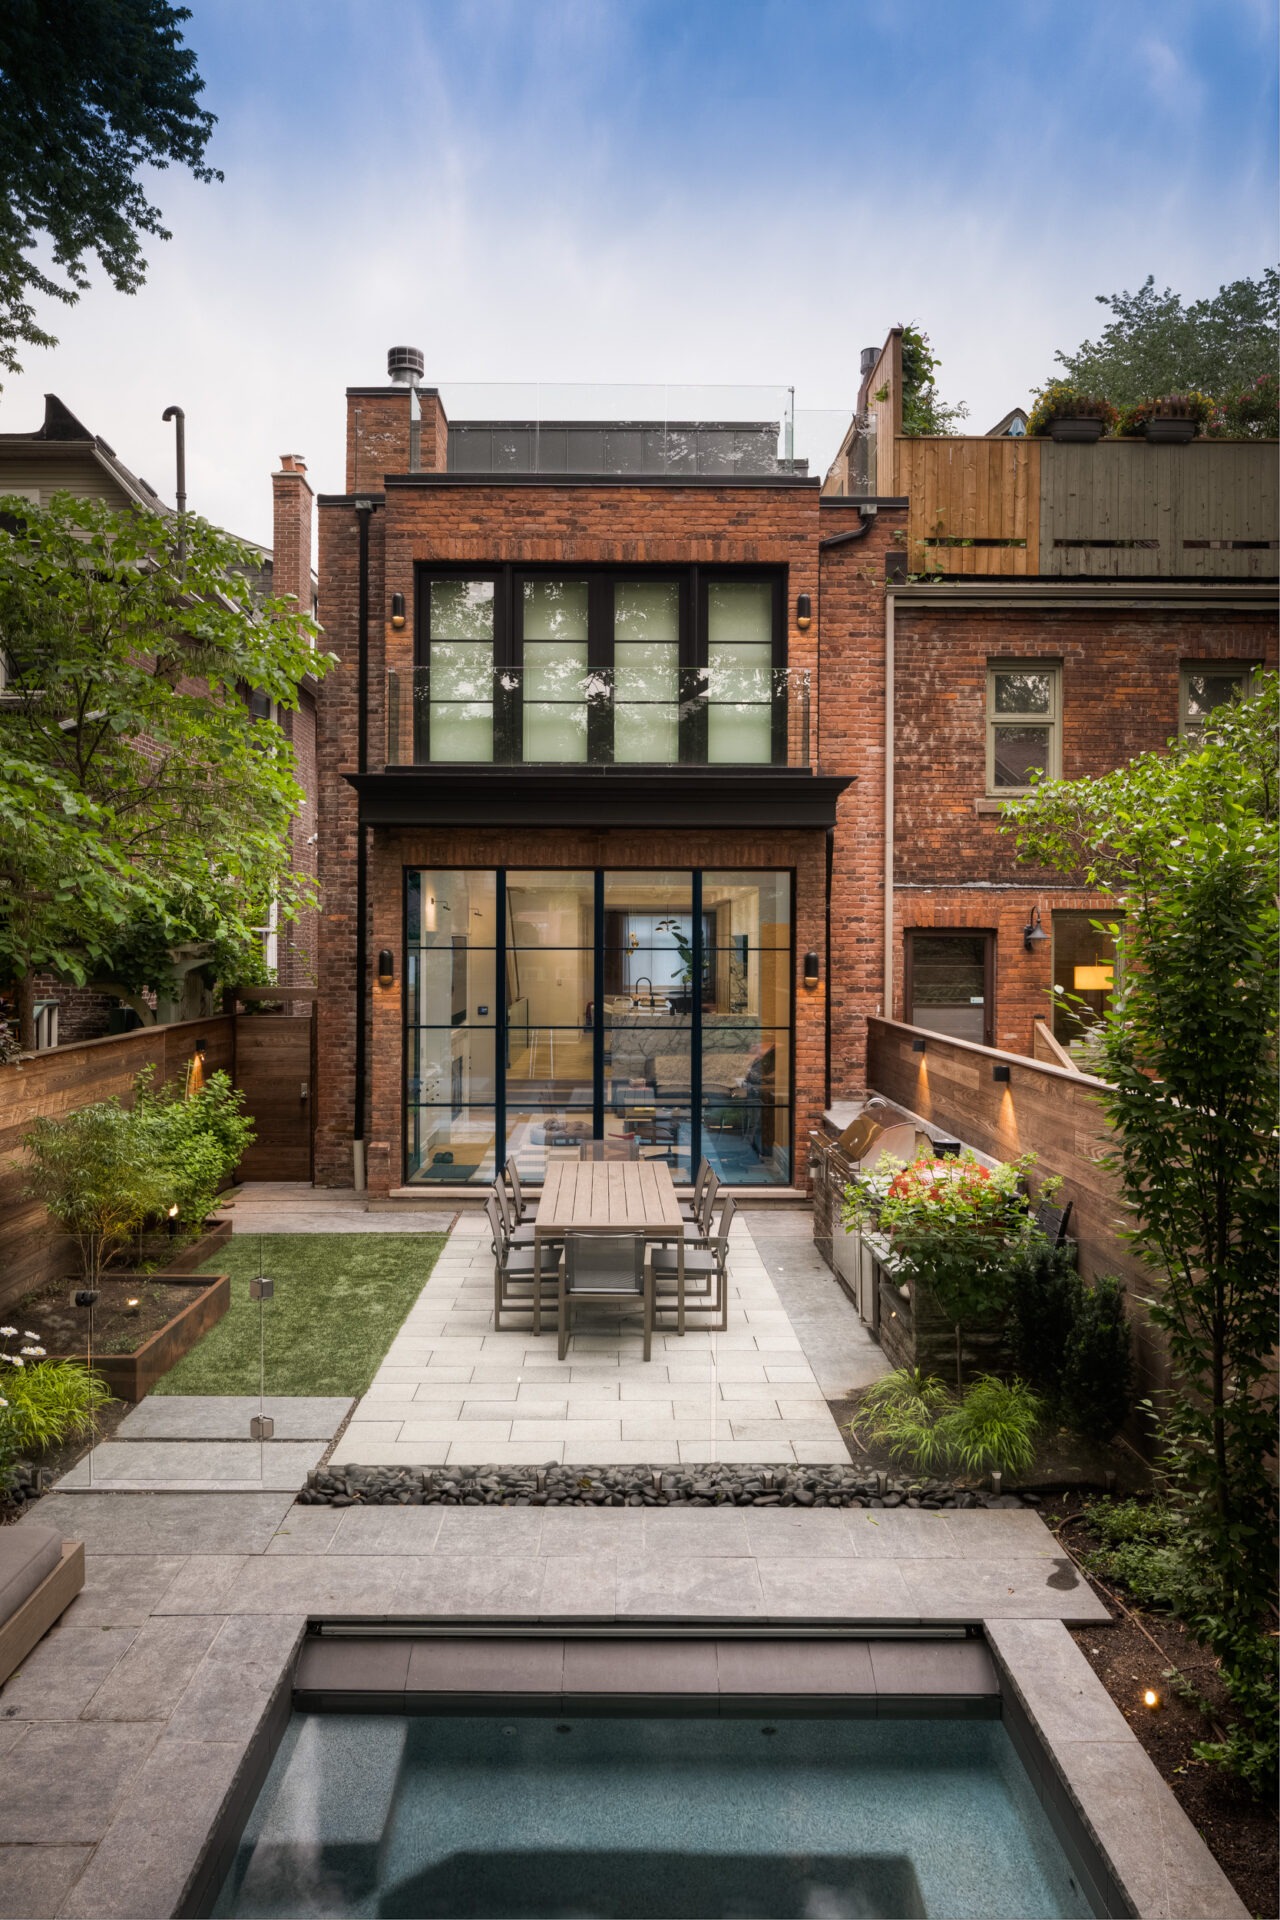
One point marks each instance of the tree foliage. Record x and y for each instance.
(924, 411)
(1153, 344)
(89, 94)
(143, 810)
(1187, 842)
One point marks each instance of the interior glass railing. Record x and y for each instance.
(457, 712)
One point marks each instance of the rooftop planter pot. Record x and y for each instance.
(1175, 419)
(1064, 413)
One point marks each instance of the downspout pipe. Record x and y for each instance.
(888, 803)
(364, 513)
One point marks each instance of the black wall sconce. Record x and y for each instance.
(918, 1046)
(811, 969)
(1033, 934)
(1001, 1073)
(804, 612)
(386, 968)
(397, 611)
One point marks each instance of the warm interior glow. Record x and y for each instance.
(1097, 979)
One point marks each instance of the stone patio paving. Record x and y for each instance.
(453, 1392)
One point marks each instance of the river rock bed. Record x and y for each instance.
(712, 1486)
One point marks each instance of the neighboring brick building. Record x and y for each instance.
(602, 799)
(63, 455)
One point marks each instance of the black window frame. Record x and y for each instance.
(692, 582)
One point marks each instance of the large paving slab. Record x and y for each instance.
(452, 1391)
(192, 1466)
(190, 1416)
(295, 1206)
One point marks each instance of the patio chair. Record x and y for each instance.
(605, 1269)
(689, 1208)
(706, 1274)
(513, 1269)
(512, 1173)
(518, 1234)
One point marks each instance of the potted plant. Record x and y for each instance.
(1173, 418)
(1065, 412)
(681, 1002)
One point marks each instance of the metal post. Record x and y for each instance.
(177, 415)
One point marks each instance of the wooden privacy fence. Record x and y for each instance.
(265, 1063)
(1041, 1109)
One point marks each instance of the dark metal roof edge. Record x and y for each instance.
(349, 499)
(724, 483)
(891, 502)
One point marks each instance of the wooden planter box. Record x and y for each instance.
(132, 1375)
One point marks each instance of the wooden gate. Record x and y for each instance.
(274, 1070)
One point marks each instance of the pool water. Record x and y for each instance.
(823, 1818)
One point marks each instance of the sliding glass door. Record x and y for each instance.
(631, 1014)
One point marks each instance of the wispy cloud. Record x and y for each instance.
(653, 191)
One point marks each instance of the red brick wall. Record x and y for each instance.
(953, 865)
(378, 435)
(851, 622)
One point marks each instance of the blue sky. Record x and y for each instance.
(636, 190)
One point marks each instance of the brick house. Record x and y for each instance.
(63, 455)
(607, 845)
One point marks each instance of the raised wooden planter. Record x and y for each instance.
(132, 1375)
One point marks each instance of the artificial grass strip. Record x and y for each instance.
(340, 1299)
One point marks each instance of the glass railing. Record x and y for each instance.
(708, 431)
(565, 714)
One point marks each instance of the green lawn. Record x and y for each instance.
(339, 1300)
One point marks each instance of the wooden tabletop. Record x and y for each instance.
(611, 1196)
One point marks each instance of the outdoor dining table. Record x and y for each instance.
(618, 1196)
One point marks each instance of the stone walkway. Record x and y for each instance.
(182, 1443)
(295, 1206)
(451, 1391)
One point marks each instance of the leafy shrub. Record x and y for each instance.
(87, 1170)
(193, 1143)
(901, 1413)
(1060, 400)
(916, 1419)
(1097, 1382)
(1251, 413)
(1145, 1551)
(1043, 1310)
(51, 1403)
(993, 1429)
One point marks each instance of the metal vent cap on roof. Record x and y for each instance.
(405, 365)
(869, 357)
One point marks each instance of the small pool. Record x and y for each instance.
(536, 1816)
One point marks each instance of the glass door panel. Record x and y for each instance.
(646, 668)
(460, 670)
(450, 1003)
(740, 673)
(555, 670)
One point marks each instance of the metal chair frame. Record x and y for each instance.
(578, 1251)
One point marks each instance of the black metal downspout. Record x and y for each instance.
(826, 1071)
(364, 511)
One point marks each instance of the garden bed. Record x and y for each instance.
(133, 1346)
(1239, 1830)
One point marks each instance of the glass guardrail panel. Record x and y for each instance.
(559, 712)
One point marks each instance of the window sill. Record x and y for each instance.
(995, 806)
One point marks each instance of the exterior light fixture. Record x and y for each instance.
(1001, 1073)
(397, 611)
(1150, 1698)
(918, 1046)
(386, 968)
(804, 612)
(811, 969)
(1095, 979)
(1033, 934)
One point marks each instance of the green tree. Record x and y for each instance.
(923, 409)
(1153, 344)
(1187, 842)
(145, 815)
(90, 93)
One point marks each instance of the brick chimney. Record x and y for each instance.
(382, 435)
(291, 529)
